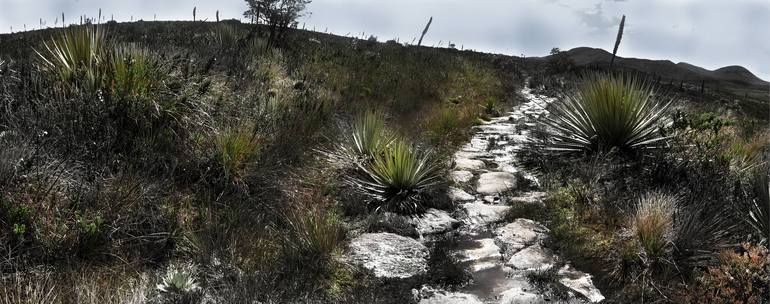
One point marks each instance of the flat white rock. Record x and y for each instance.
(496, 182)
(520, 296)
(458, 195)
(483, 214)
(580, 282)
(519, 234)
(434, 221)
(532, 258)
(390, 255)
(485, 256)
(451, 298)
(461, 176)
(468, 164)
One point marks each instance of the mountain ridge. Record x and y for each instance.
(735, 74)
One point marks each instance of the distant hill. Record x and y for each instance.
(737, 79)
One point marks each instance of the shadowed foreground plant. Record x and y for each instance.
(653, 223)
(398, 177)
(607, 111)
(77, 52)
(315, 234)
(179, 283)
(758, 213)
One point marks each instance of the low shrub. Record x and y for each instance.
(740, 277)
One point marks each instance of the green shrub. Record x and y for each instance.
(653, 223)
(78, 52)
(607, 111)
(399, 176)
(444, 123)
(237, 150)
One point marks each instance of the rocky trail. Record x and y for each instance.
(499, 255)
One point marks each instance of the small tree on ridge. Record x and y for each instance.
(278, 15)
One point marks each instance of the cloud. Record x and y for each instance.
(596, 20)
(711, 34)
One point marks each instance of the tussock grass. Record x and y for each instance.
(132, 72)
(608, 111)
(315, 235)
(653, 223)
(237, 150)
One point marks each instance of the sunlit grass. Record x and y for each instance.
(653, 223)
(78, 52)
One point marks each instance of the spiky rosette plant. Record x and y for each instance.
(78, 52)
(398, 177)
(607, 111)
(368, 136)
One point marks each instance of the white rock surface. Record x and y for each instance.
(468, 164)
(532, 258)
(580, 282)
(458, 195)
(451, 298)
(519, 234)
(496, 182)
(434, 221)
(520, 296)
(390, 255)
(486, 255)
(483, 214)
(534, 197)
(461, 176)
(430, 295)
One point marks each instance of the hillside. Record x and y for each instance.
(202, 162)
(736, 79)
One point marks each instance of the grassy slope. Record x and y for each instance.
(120, 190)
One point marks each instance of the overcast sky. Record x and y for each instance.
(707, 33)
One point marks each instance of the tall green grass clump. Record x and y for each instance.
(398, 177)
(315, 234)
(653, 223)
(608, 111)
(78, 52)
(237, 150)
(133, 72)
